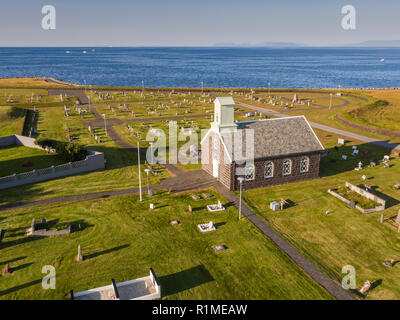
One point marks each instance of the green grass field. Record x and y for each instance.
(122, 239)
(121, 168)
(12, 160)
(11, 120)
(345, 236)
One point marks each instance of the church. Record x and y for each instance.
(263, 152)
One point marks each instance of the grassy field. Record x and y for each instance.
(345, 236)
(384, 113)
(122, 239)
(11, 120)
(27, 82)
(121, 168)
(12, 160)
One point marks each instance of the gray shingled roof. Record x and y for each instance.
(276, 137)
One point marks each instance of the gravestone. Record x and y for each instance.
(220, 247)
(33, 225)
(190, 208)
(352, 204)
(195, 197)
(365, 287)
(382, 218)
(79, 257)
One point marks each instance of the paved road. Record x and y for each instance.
(339, 132)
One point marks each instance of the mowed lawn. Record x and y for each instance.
(122, 239)
(11, 120)
(13, 158)
(121, 170)
(345, 236)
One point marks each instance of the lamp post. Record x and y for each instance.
(148, 185)
(90, 107)
(105, 124)
(142, 88)
(240, 179)
(84, 81)
(269, 88)
(202, 87)
(140, 179)
(151, 153)
(330, 104)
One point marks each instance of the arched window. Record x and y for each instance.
(287, 167)
(249, 172)
(269, 169)
(304, 164)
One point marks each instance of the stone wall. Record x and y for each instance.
(227, 176)
(364, 193)
(278, 178)
(94, 161)
(51, 233)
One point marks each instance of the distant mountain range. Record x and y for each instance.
(371, 43)
(376, 43)
(264, 44)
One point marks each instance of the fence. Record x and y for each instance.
(94, 161)
(365, 194)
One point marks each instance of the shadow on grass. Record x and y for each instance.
(219, 224)
(12, 260)
(390, 202)
(22, 266)
(185, 280)
(333, 163)
(13, 243)
(96, 254)
(22, 286)
(373, 286)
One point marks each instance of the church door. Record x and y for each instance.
(215, 168)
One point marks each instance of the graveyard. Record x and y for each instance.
(193, 239)
(122, 238)
(329, 232)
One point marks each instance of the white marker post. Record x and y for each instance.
(140, 180)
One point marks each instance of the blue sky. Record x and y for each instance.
(195, 23)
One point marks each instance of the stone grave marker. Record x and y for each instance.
(79, 257)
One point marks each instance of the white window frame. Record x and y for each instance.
(290, 167)
(269, 164)
(307, 160)
(245, 173)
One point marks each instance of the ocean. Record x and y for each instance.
(214, 66)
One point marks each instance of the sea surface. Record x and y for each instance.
(215, 67)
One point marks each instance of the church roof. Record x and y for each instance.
(274, 137)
